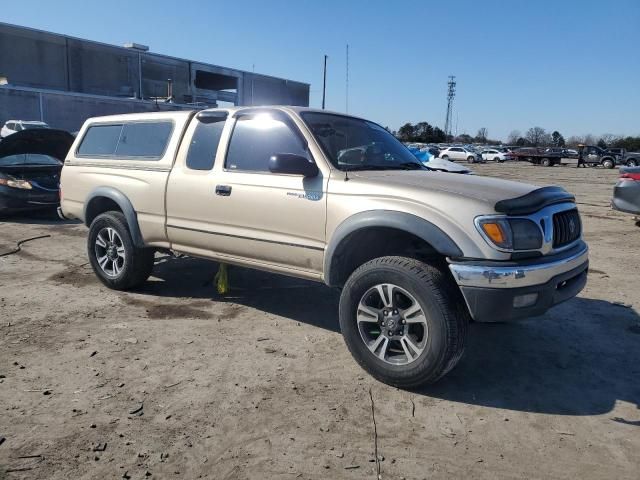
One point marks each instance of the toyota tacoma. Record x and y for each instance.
(335, 199)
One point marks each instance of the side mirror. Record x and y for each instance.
(292, 164)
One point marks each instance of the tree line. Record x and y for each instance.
(420, 132)
(539, 137)
(534, 137)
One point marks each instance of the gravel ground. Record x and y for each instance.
(175, 381)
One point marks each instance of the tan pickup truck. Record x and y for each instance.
(330, 198)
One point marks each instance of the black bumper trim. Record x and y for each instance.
(496, 304)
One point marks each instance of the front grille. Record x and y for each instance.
(566, 228)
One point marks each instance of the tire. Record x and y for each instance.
(608, 163)
(126, 266)
(546, 162)
(443, 324)
(632, 162)
(471, 159)
(445, 157)
(497, 159)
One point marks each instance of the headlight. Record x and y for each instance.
(514, 234)
(10, 182)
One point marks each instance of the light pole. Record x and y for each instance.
(324, 82)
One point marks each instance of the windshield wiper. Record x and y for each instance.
(396, 166)
(413, 166)
(356, 168)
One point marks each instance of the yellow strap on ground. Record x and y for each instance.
(222, 279)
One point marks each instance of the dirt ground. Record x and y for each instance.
(175, 381)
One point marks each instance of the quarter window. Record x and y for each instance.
(144, 139)
(256, 138)
(137, 140)
(204, 143)
(100, 140)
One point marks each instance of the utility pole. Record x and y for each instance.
(324, 82)
(451, 93)
(347, 86)
(253, 72)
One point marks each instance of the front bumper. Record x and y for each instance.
(15, 200)
(498, 292)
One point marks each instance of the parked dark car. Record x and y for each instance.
(30, 165)
(565, 153)
(626, 193)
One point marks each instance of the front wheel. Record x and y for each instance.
(116, 261)
(471, 159)
(445, 157)
(403, 320)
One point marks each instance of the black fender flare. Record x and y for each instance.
(407, 222)
(125, 205)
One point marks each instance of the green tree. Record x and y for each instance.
(438, 135)
(406, 132)
(557, 139)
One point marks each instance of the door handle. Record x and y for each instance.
(223, 190)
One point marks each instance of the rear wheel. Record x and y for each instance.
(445, 157)
(403, 320)
(497, 159)
(546, 162)
(471, 159)
(608, 163)
(116, 261)
(632, 162)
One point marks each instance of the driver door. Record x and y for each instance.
(264, 217)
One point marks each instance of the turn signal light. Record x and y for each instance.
(496, 233)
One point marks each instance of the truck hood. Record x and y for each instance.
(484, 189)
(45, 141)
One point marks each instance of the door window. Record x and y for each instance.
(256, 138)
(204, 143)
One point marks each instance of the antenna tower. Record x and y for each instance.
(451, 93)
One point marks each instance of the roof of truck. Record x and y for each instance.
(181, 114)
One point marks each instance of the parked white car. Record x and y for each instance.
(13, 126)
(495, 155)
(461, 154)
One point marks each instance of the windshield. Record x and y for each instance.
(33, 126)
(28, 159)
(355, 144)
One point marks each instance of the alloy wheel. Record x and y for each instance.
(110, 252)
(392, 324)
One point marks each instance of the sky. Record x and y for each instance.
(571, 66)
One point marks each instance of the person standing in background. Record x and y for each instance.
(581, 163)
